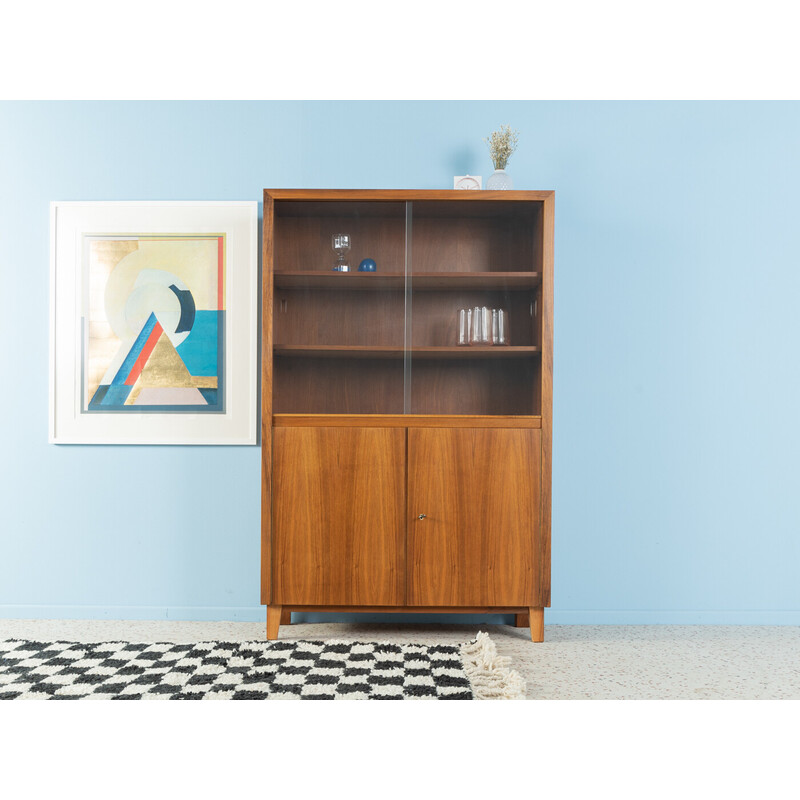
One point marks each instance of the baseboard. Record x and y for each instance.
(671, 617)
(188, 613)
(553, 616)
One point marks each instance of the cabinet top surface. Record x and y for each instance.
(408, 194)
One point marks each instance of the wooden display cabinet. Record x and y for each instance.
(403, 472)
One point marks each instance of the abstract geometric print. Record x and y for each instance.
(153, 323)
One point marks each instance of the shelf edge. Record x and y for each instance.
(404, 421)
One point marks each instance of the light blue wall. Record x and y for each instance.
(676, 436)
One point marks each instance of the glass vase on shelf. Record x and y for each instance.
(464, 325)
(481, 327)
(499, 180)
(499, 326)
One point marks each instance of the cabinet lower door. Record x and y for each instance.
(474, 517)
(338, 524)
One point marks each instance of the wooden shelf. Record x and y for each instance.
(388, 351)
(473, 352)
(474, 280)
(322, 279)
(404, 421)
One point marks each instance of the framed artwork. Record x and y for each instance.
(153, 312)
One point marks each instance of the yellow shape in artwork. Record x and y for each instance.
(165, 368)
(204, 381)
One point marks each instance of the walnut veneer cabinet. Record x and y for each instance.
(401, 471)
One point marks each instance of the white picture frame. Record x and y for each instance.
(164, 238)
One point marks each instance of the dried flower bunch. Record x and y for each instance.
(502, 145)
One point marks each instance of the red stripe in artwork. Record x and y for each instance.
(149, 345)
(220, 272)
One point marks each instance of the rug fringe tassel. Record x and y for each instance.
(488, 673)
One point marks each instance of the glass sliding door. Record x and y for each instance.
(339, 333)
(473, 297)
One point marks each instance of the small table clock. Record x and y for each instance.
(467, 182)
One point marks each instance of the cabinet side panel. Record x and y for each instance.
(266, 397)
(338, 516)
(548, 226)
(478, 493)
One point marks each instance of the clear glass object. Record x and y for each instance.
(475, 326)
(464, 324)
(499, 326)
(481, 327)
(340, 242)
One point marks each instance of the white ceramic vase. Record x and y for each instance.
(499, 179)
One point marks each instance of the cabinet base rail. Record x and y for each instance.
(524, 617)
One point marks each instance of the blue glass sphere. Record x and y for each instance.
(367, 265)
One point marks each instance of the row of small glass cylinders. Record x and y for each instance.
(482, 325)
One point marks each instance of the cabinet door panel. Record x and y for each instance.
(338, 516)
(479, 490)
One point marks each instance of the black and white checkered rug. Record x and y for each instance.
(254, 671)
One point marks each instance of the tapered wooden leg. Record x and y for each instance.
(537, 624)
(522, 621)
(273, 621)
(286, 616)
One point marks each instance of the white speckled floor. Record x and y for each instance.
(575, 662)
